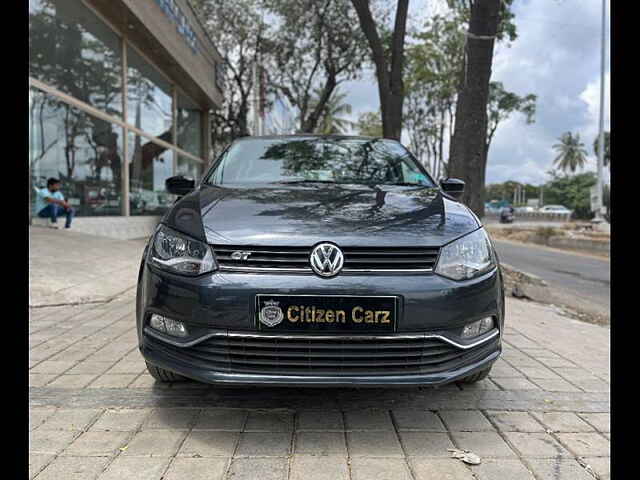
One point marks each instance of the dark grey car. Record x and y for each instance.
(316, 261)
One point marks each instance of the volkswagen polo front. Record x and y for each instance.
(318, 261)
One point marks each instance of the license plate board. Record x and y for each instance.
(326, 313)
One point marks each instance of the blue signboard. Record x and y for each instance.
(175, 15)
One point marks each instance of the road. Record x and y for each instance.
(583, 277)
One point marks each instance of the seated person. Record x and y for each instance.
(50, 203)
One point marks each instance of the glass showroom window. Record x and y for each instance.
(189, 168)
(189, 126)
(149, 103)
(74, 51)
(83, 151)
(149, 166)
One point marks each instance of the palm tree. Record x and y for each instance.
(332, 119)
(572, 153)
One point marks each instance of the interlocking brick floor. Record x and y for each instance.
(543, 413)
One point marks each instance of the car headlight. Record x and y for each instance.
(178, 253)
(466, 257)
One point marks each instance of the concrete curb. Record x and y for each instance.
(524, 285)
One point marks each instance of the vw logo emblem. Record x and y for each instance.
(326, 259)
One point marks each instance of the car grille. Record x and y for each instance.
(323, 355)
(356, 259)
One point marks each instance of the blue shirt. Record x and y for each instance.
(44, 193)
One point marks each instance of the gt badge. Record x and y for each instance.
(271, 314)
(240, 255)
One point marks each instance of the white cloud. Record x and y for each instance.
(591, 96)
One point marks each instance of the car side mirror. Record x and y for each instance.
(179, 185)
(452, 186)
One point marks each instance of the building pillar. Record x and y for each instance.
(206, 139)
(174, 126)
(124, 170)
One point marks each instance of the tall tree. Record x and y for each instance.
(571, 152)
(431, 89)
(389, 66)
(467, 150)
(433, 63)
(607, 152)
(238, 30)
(319, 46)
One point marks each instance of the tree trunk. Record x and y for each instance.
(311, 122)
(390, 85)
(467, 159)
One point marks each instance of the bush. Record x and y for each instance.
(546, 233)
(573, 192)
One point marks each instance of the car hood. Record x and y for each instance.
(302, 215)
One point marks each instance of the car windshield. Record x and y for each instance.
(318, 159)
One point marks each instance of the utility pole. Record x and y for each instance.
(599, 202)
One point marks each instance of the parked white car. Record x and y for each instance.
(555, 209)
(526, 209)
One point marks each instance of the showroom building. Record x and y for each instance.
(120, 94)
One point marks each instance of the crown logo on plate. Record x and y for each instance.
(271, 314)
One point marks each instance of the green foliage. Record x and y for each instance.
(607, 150)
(369, 124)
(320, 45)
(238, 31)
(433, 65)
(302, 47)
(504, 191)
(503, 103)
(571, 152)
(432, 68)
(572, 191)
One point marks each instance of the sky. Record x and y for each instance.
(557, 57)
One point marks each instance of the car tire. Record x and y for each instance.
(476, 377)
(162, 375)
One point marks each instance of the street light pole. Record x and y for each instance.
(600, 202)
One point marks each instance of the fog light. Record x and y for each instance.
(168, 326)
(477, 328)
(175, 328)
(157, 323)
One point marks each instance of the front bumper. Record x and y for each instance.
(220, 310)
(245, 379)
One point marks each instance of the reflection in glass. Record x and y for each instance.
(85, 152)
(73, 51)
(149, 102)
(150, 165)
(189, 168)
(189, 126)
(324, 159)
